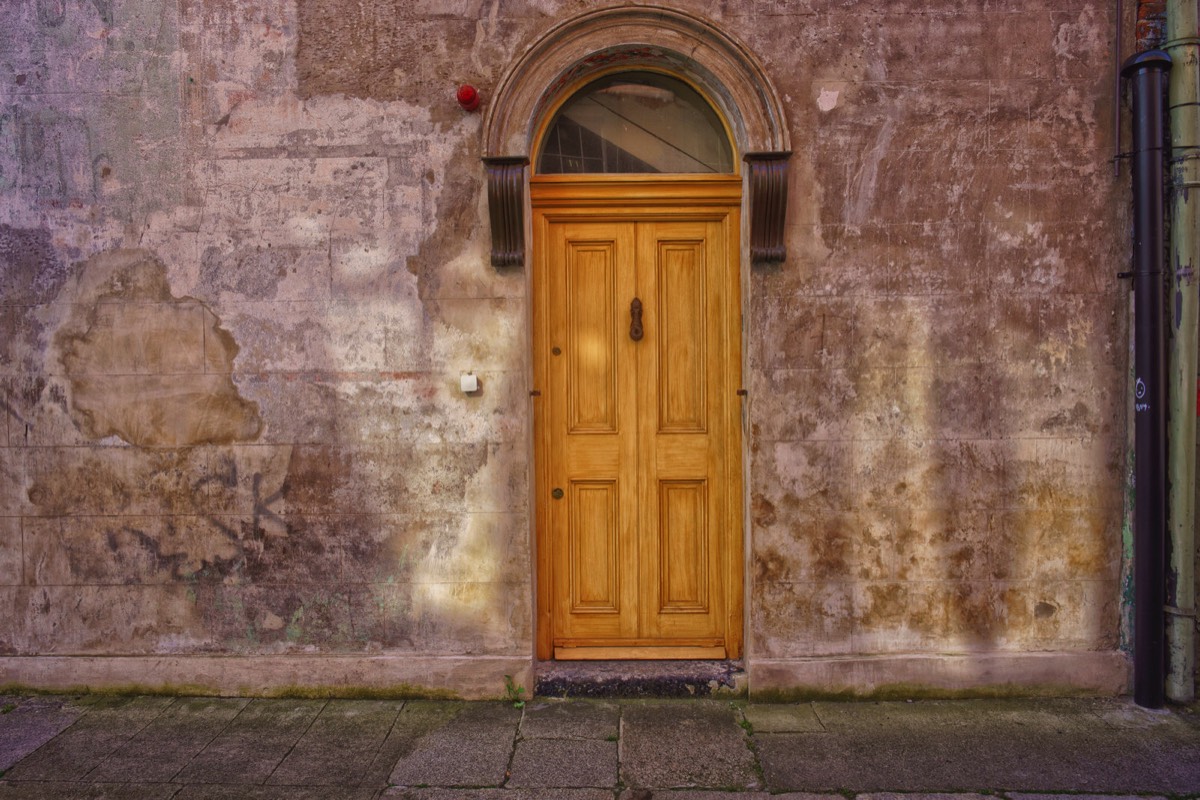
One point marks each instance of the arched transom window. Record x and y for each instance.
(636, 122)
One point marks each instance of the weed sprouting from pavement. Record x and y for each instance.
(513, 693)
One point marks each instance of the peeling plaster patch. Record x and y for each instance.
(31, 276)
(484, 32)
(456, 209)
(863, 182)
(144, 365)
(1083, 35)
(398, 51)
(827, 100)
(30, 271)
(253, 273)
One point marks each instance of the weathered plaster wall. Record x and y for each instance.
(937, 382)
(234, 320)
(243, 260)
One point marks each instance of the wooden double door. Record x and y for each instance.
(637, 345)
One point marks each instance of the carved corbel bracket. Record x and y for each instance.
(506, 209)
(768, 204)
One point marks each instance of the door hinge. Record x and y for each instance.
(743, 393)
(535, 393)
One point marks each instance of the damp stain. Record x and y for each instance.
(1044, 610)
(147, 366)
(770, 566)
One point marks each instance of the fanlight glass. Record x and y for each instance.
(636, 122)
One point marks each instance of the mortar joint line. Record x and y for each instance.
(620, 745)
(104, 759)
(211, 739)
(813, 705)
(512, 753)
(382, 742)
(299, 738)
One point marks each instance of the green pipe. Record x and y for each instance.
(1183, 97)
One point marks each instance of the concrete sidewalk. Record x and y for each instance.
(192, 748)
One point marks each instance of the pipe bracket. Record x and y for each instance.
(1180, 612)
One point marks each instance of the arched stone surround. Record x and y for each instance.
(637, 36)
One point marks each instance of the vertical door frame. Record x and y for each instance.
(635, 198)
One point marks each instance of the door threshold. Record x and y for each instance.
(659, 678)
(676, 653)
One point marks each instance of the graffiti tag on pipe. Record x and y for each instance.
(1139, 392)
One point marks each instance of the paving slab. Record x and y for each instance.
(211, 792)
(165, 746)
(933, 762)
(106, 724)
(51, 790)
(929, 796)
(972, 746)
(692, 794)
(400, 793)
(572, 763)
(860, 718)
(782, 719)
(571, 719)
(27, 723)
(685, 744)
(416, 720)
(340, 746)
(472, 748)
(1024, 796)
(1124, 715)
(253, 744)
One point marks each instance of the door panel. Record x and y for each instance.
(682, 342)
(683, 547)
(594, 552)
(640, 436)
(590, 276)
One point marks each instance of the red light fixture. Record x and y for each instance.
(468, 97)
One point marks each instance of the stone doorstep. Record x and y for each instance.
(615, 679)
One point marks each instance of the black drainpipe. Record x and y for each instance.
(1147, 71)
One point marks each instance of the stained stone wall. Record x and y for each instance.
(937, 373)
(244, 259)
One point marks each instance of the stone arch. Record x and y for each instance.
(637, 36)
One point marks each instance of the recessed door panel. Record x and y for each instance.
(590, 275)
(682, 342)
(683, 543)
(594, 548)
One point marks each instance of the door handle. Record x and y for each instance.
(635, 320)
